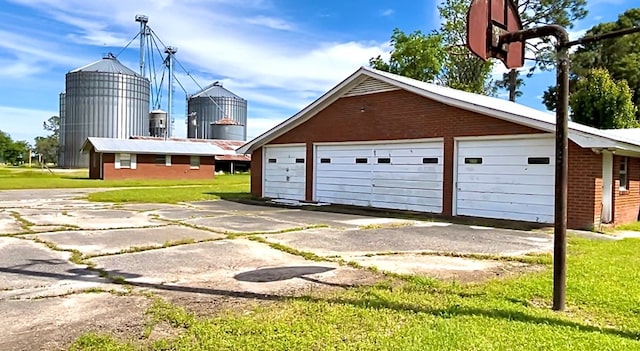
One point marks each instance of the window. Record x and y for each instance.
(125, 160)
(538, 160)
(325, 160)
(195, 162)
(361, 160)
(624, 178)
(384, 160)
(473, 160)
(161, 160)
(430, 160)
(272, 160)
(299, 160)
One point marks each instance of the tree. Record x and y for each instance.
(48, 147)
(507, 83)
(13, 152)
(52, 125)
(602, 102)
(535, 13)
(416, 55)
(462, 70)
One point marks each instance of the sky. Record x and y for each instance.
(280, 55)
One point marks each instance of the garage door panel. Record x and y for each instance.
(362, 188)
(512, 189)
(515, 170)
(407, 184)
(504, 184)
(528, 199)
(394, 175)
(512, 207)
(285, 176)
(524, 179)
(539, 218)
(407, 206)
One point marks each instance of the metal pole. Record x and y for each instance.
(143, 38)
(170, 51)
(562, 149)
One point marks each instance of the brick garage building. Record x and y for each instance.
(382, 140)
(150, 159)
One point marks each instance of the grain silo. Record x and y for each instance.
(103, 99)
(211, 105)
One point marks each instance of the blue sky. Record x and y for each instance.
(278, 54)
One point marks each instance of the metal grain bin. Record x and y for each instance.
(227, 129)
(158, 123)
(211, 105)
(103, 99)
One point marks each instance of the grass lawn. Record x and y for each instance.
(222, 186)
(25, 178)
(635, 226)
(603, 313)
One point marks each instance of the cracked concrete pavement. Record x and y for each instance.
(55, 248)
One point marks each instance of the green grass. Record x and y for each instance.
(603, 297)
(635, 226)
(223, 186)
(25, 178)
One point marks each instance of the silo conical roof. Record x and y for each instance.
(108, 64)
(215, 90)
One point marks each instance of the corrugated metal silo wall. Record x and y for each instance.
(62, 134)
(227, 132)
(207, 112)
(100, 104)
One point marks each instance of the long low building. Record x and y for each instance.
(382, 140)
(111, 158)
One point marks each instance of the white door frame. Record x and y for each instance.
(607, 187)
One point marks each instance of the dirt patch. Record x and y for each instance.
(503, 271)
(55, 323)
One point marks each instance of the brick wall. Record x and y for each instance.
(584, 200)
(404, 115)
(626, 204)
(146, 168)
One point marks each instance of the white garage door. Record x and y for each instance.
(405, 176)
(284, 172)
(509, 179)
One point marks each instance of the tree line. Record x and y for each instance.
(15, 153)
(605, 75)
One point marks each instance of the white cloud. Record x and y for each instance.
(387, 12)
(270, 22)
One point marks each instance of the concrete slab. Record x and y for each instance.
(212, 267)
(181, 213)
(334, 220)
(8, 224)
(28, 270)
(224, 205)
(54, 323)
(452, 238)
(94, 219)
(92, 242)
(423, 264)
(243, 224)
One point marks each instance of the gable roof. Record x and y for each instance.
(226, 145)
(154, 147)
(586, 137)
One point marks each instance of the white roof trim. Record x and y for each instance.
(582, 135)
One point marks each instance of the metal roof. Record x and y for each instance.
(215, 90)
(226, 145)
(108, 64)
(158, 147)
(585, 136)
